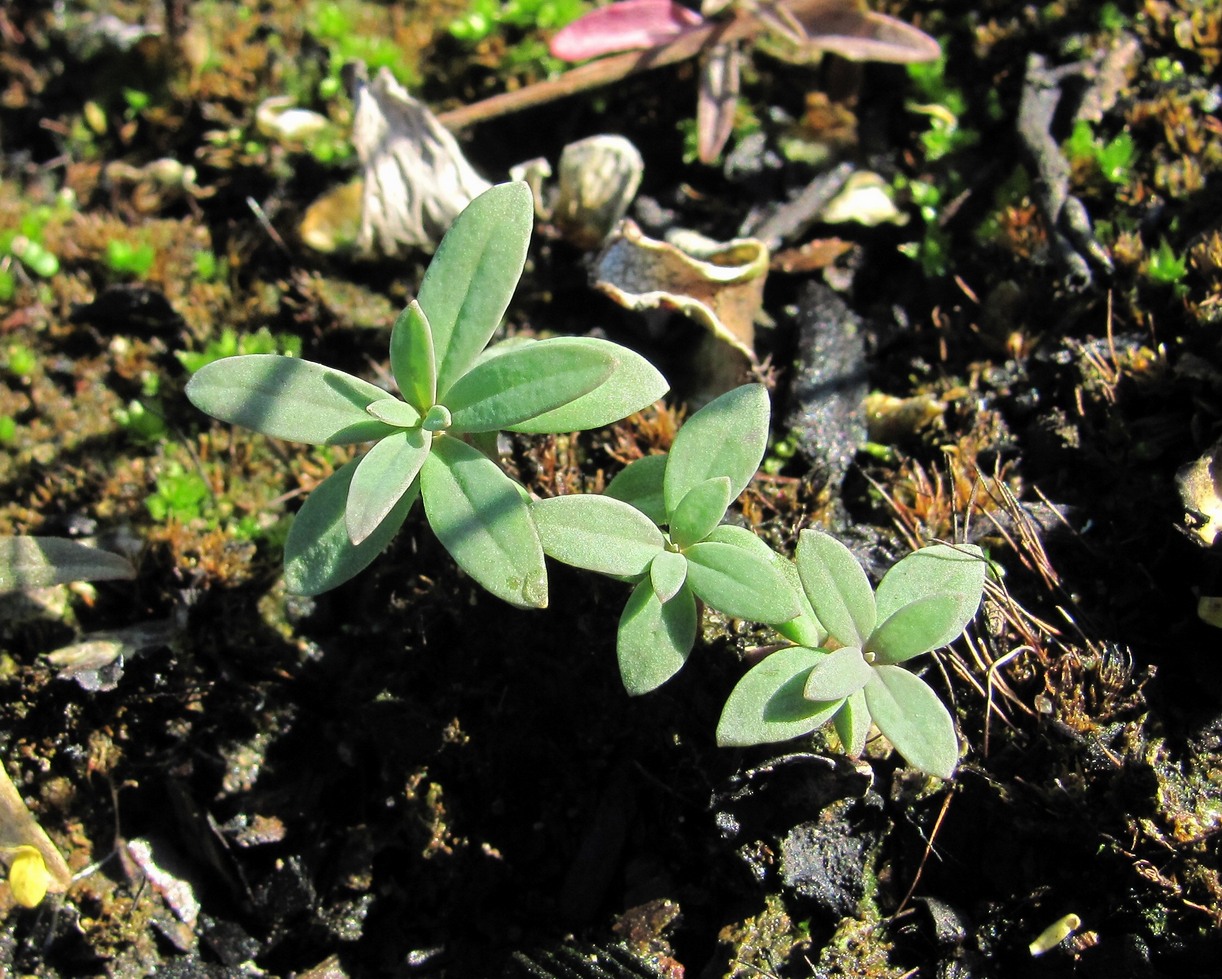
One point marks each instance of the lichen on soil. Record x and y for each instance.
(406, 778)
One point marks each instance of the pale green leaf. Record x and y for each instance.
(667, 574)
(726, 437)
(767, 703)
(382, 476)
(742, 583)
(39, 562)
(837, 587)
(654, 640)
(523, 383)
(288, 398)
(640, 484)
(412, 359)
(930, 571)
(318, 554)
(633, 385)
(700, 511)
(480, 517)
(472, 277)
(852, 723)
(394, 412)
(598, 534)
(923, 625)
(913, 719)
(841, 675)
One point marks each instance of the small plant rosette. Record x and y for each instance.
(659, 528)
(852, 675)
(455, 391)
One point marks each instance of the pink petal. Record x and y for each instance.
(625, 26)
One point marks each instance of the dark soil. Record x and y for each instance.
(405, 777)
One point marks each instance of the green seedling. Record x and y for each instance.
(454, 393)
(1166, 267)
(39, 562)
(181, 494)
(229, 344)
(1113, 158)
(125, 258)
(714, 457)
(851, 641)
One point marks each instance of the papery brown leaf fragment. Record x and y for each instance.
(845, 28)
(717, 99)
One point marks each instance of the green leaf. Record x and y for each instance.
(919, 627)
(318, 554)
(654, 639)
(472, 276)
(700, 511)
(726, 437)
(640, 484)
(852, 723)
(598, 534)
(523, 383)
(742, 583)
(288, 398)
(913, 719)
(667, 574)
(480, 517)
(767, 704)
(412, 360)
(392, 411)
(841, 675)
(936, 570)
(39, 562)
(633, 385)
(383, 475)
(837, 587)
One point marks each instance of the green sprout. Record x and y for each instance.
(125, 258)
(1166, 267)
(181, 494)
(229, 344)
(850, 642)
(454, 393)
(1114, 158)
(713, 458)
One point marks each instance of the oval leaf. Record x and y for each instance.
(841, 675)
(598, 534)
(934, 570)
(39, 562)
(740, 582)
(921, 626)
(667, 573)
(412, 359)
(472, 277)
(852, 723)
(767, 704)
(625, 26)
(640, 484)
(383, 475)
(392, 411)
(318, 554)
(837, 587)
(523, 383)
(633, 385)
(726, 437)
(700, 511)
(654, 639)
(481, 518)
(913, 719)
(288, 398)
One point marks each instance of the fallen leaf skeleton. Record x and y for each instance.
(655, 33)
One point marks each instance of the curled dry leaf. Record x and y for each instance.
(599, 177)
(720, 285)
(417, 180)
(20, 832)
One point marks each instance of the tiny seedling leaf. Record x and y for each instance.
(920, 626)
(39, 562)
(654, 639)
(392, 411)
(913, 719)
(318, 553)
(841, 675)
(412, 359)
(640, 484)
(739, 582)
(852, 723)
(523, 383)
(289, 399)
(700, 511)
(726, 437)
(667, 573)
(837, 587)
(481, 518)
(472, 277)
(767, 704)
(598, 534)
(383, 475)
